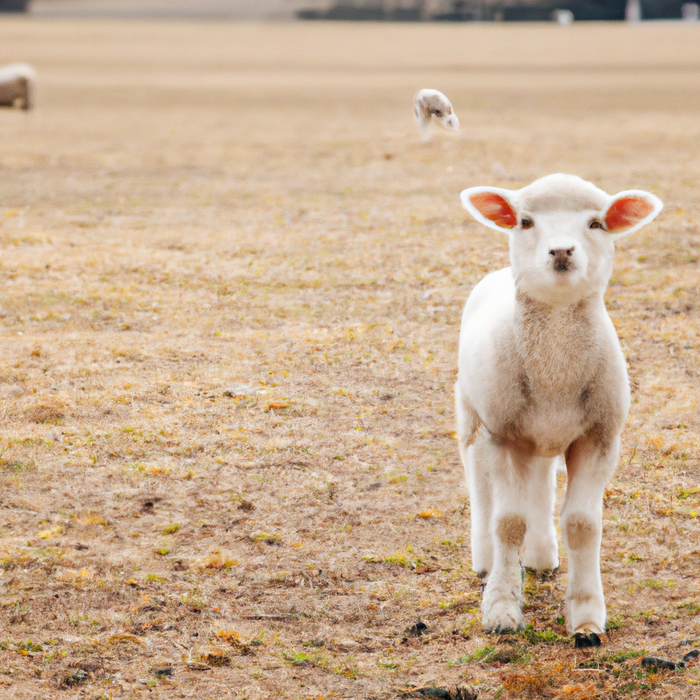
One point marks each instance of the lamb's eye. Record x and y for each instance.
(526, 223)
(438, 114)
(595, 224)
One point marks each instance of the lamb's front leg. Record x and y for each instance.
(589, 465)
(476, 465)
(500, 608)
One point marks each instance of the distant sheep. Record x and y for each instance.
(17, 85)
(542, 376)
(429, 103)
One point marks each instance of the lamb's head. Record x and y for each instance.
(429, 103)
(562, 231)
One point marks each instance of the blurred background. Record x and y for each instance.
(376, 10)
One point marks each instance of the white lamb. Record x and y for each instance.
(429, 103)
(542, 376)
(17, 85)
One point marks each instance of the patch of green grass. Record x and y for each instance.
(609, 660)
(194, 599)
(655, 584)
(29, 646)
(483, 653)
(347, 670)
(461, 661)
(690, 608)
(267, 538)
(533, 636)
(494, 655)
(624, 655)
(293, 658)
(405, 558)
(171, 529)
(615, 622)
(16, 466)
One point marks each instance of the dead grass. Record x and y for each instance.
(232, 281)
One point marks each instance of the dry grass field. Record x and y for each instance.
(232, 278)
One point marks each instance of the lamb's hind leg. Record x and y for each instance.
(540, 549)
(476, 469)
(500, 608)
(589, 466)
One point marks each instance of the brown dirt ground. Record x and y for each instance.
(193, 207)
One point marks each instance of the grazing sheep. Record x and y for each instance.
(17, 85)
(427, 103)
(542, 376)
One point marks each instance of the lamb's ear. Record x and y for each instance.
(630, 210)
(491, 206)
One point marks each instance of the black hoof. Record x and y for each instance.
(584, 641)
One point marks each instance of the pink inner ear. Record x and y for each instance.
(495, 208)
(626, 212)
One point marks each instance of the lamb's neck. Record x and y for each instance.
(557, 344)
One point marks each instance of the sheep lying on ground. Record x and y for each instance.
(542, 375)
(17, 85)
(428, 103)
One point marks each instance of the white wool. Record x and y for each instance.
(17, 85)
(542, 378)
(432, 103)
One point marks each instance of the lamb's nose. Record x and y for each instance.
(562, 258)
(562, 252)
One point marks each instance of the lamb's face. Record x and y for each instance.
(444, 113)
(449, 120)
(561, 257)
(433, 103)
(562, 232)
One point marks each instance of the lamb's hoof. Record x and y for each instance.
(501, 617)
(541, 559)
(583, 641)
(586, 615)
(544, 574)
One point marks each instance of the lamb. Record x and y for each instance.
(17, 85)
(542, 376)
(427, 103)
